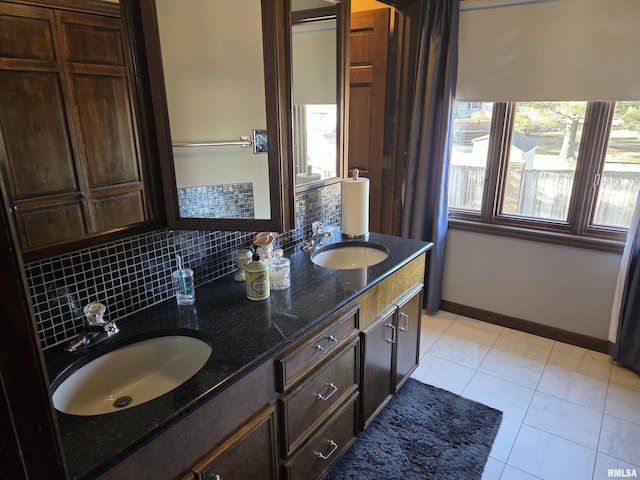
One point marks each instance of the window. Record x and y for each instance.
(321, 138)
(564, 172)
(469, 155)
(619, 179)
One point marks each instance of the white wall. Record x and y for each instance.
(567, 288)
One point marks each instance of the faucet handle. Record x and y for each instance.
(94, 312)
(317, 227)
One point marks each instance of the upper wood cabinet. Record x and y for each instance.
(69, 150)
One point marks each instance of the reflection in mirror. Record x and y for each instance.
(215, 89)
(315, 94)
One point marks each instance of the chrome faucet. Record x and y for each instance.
(316, 237)
(96, 328)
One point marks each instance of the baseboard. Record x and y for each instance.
(527, 326)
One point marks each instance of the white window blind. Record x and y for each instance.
(314, 62)
(512, 50)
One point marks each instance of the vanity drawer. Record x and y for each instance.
(299, 361)
(312, 401)
(316, 457)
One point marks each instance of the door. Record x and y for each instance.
(367, 94)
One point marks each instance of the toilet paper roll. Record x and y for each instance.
(355, 207)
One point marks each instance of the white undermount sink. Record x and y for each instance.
(350, 255)
(131, 375)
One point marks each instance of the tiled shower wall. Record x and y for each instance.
(131, 274)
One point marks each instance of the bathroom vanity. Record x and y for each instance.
(290, 383)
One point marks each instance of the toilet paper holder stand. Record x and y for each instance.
(364, 231)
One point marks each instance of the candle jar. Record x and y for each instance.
(242, 259)
(279, 273)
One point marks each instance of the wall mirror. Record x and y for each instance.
(219, 76)
(318, 46)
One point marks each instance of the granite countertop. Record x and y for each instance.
(243, 334)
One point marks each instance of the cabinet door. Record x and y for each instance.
(36, 140)
(408, 320)
(69, 149)
(377, 351)
(247, 455)
(95, 62)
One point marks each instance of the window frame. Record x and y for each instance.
(578, 230)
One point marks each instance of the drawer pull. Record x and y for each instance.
(393, 334)
(332, 389)
(331, 339)
(334, 447)
(406, 321)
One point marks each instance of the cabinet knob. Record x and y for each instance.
(334, 447)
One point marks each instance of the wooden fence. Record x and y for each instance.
(546, 193)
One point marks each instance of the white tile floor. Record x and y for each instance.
(569, 413)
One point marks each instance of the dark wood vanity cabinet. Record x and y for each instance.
(298, 412)
(390, 353)
(331, 383)
(318, 409)
(68, 140)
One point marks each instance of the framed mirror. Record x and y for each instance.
(220, 93)
(318, 48)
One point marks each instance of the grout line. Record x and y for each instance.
(520, 470)
(545, 369)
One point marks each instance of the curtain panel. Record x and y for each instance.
(624, 332)
(425, 209)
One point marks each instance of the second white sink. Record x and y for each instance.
(350, 255)
(131, 375)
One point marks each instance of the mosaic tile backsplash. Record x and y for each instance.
(234, 200)
(134, 273)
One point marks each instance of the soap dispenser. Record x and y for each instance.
(257, 277)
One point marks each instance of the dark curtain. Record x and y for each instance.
(626, 350)
(424, 215)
